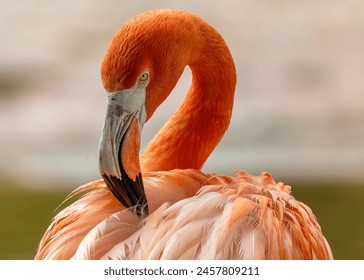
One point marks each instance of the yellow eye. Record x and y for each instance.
(144, 77)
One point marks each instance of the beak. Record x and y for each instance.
(119, 148)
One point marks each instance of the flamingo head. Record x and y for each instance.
(141, 67)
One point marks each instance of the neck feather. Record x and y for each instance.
(191, 134)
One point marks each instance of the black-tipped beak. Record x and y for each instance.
(129, 192)
(119, 147)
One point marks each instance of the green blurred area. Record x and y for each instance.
(26, 214)
(339, 209)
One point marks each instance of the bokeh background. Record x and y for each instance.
(299, 107)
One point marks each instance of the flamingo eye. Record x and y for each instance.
(144, 77)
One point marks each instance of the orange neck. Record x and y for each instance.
(191, 134)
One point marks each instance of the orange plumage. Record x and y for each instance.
(173, 210)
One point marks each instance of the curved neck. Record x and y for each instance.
(191, 134)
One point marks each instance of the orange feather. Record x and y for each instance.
(192, 215)
(130, 151)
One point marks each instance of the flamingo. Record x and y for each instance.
(161, 206)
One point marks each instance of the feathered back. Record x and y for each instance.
(242, 217)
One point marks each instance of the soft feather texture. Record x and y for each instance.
(241, 217)
(192, 215)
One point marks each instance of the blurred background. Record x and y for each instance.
(299, 107)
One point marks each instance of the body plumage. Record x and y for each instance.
(162, 206)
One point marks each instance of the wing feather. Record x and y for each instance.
(193, 216)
